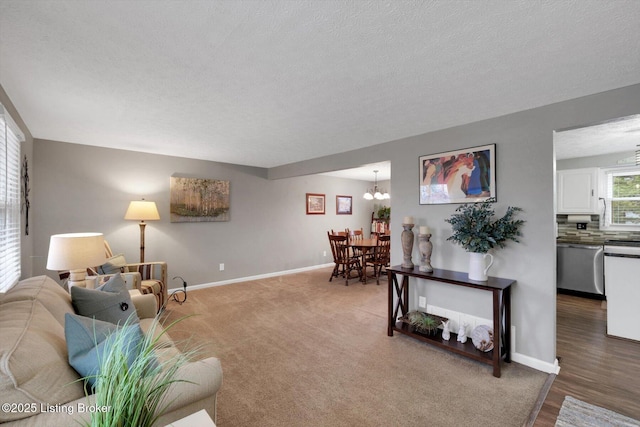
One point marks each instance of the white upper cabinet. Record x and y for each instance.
(577, 191)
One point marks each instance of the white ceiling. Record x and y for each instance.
(614, 136)
(365, 172)
(266, 83)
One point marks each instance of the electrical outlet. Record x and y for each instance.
(324, 253)
(221, 267)
(581, 226)
(422, 302)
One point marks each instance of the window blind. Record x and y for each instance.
(623, 197)
(10, 138)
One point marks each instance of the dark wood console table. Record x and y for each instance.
(501, 290)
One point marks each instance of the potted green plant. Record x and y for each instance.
(384, 212)
(132, 381)
(475, 229)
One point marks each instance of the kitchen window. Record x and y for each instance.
(621, 199)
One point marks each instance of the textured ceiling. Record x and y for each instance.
(266, 83)
(613, 136)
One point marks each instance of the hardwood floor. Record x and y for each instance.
(594, 368)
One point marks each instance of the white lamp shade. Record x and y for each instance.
(142, 210)
(75, 251)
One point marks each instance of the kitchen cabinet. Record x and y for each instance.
(577, 191)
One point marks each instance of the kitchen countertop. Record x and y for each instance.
(581, 242)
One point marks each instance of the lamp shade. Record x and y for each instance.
(142, 210)
(74, 251)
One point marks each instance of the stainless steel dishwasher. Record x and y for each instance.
(581, 268)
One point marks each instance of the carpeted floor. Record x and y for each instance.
(576, 413)
(298, 350)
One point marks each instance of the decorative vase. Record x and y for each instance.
(478, 266)
(426, 248)
(407, 245)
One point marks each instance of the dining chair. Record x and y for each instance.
(380, 257)
(342, 258)
(355, 235)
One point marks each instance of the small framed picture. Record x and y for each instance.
(343, 205)
(315, 204)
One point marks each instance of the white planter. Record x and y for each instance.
(478, 266)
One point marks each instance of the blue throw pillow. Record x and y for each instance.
(89, 340)
(110, 302)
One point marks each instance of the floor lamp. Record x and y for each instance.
(142, 210)
(76, 252)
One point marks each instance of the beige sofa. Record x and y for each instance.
(37, 385)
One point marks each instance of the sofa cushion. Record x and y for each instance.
(33, 359)
(44, 289)
(110, 302)
(88, 340)
(115, 264)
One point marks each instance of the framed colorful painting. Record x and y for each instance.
(460, 176)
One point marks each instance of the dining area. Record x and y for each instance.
(356, 256)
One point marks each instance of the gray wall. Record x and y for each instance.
(84, 188)
(525, 178)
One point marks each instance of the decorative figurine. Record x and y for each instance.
(446, 335)
(462, 333)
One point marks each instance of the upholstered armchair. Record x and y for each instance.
(147, 277)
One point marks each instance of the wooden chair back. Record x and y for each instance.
(356, 234)
(381, 256)
(382, 252)
(339, 248)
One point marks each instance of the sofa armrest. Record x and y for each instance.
(200, 382)
(146, 305)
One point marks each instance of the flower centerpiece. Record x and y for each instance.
(475, 229)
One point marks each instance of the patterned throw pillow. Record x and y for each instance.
(110, 302)
(115, 264)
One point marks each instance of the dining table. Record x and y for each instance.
(364, 246)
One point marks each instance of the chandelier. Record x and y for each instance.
(376, 193)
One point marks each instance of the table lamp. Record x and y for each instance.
(142, 210)
(76, 252)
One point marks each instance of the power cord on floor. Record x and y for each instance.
(180, 295)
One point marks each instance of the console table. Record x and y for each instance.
(501, 290)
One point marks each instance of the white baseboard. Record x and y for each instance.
(523, 359)
(540, 365)
(259, 276)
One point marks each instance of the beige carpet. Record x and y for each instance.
(297, 350)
